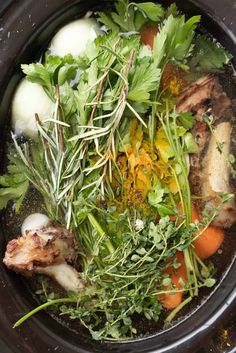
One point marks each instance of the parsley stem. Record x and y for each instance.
(191, 254)
(174, 312)
(153, 124)
(43, 306)
(100, 231)
(201, 262)
(189, 268)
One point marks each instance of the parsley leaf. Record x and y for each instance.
(55, 70)
(14, 184)
(124, 16)
(68, 102)
(208, 54)
(122, 19)
(187, 120)
(174, 42)
(131, 17)
(153, 11)
(146, 79)
(37, 73)
(108, 22)
(158, 198)
(156, 195)
(172, 10)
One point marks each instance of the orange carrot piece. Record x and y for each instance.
(148, 34)
(209, 241)
(172, 300)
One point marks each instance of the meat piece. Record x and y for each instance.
(201, 134)
(39, 248)
(24, 253)
(46, 251)
(204, 96)
(211, 176)
(216, 174)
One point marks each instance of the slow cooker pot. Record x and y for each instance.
(26, 27)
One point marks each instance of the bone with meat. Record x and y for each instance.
(63, 274)
(49, 251)
(210, 175)
(216, 174)
(202, 96)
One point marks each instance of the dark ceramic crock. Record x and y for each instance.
(25, 28)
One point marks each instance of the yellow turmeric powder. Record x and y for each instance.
(173, 79)
(141, 168)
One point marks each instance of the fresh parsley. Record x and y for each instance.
(208, 54)
(174, 42)
(14, 184)
(130, 17)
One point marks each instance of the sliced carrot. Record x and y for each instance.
(148, 34)
(209, 241)
(172, 300)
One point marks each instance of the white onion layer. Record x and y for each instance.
(28, 100)
(73, 38)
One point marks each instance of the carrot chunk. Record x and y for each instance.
(172, 300)
(148, 34)
(209, 241)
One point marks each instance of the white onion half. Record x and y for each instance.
(73, 38)
(28, 100)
